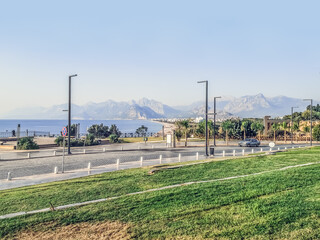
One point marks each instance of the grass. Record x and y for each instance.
(281, 204)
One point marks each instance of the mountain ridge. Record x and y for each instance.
(246, 106)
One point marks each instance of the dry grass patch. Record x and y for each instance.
(80, 231)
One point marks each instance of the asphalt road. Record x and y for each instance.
(44, 161)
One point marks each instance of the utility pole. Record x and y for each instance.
(214, 120)
(292, 124)
(69, 112)
(206, 82)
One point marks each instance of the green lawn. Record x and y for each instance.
(280, 204)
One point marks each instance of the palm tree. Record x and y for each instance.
(306, 129)
(284, 126)
(274, 127)
(226, 126)
(295, 128)
(184, 124)
(244, 127)
(257, 127)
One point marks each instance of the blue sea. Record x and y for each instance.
(55, 126)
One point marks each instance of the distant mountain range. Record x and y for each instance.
(227, 107)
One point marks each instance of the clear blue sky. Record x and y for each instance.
(125, 50)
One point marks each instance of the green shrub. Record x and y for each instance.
(114, 138)
(59, 141)
(27, 143)
(88, 141)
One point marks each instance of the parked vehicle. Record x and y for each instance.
(249, 142)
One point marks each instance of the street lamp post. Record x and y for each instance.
(206, 82)
(310, 119)
(69, 112)
(214, 120)
(292, 123)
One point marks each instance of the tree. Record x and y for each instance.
(142, 131)
(284, 126)
(295, 128)
(306, 129)
(115, 130)
(201, 128)
(73, 129)
(257, 127)
(227, 126)
(275, 127)
(184, 124)
(244, 127)
(316, 132)
(99, 130)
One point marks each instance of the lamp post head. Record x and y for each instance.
(203, 81)
(217, 97)
(74, 75)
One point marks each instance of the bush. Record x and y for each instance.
(27, 143)
(59, 141)
(114, 138)
(88, 141)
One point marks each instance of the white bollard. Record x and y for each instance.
(28, 155)
(299, 146)
(270, 149)
(197, 156)
(54, 153)
(278, 148)
(121, 148)
(152, 147)
(234, 153)
(292, 147)
(160, 159)
(89, 166)
(223, 153)
(141, 161)
(252, 151)
(104, 150)
(285, 148)
(179, 157)
(242, 152)
(118, 164)
(261, 150)
(55, 170)
(84, 151)
(9, 176)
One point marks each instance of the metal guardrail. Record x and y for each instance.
(134, 135)
(25, 134)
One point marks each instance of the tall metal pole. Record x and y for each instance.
(292, 124)
(206, 82)
(214, 120)
(311, 124)
(311, 101)
(69, 113)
